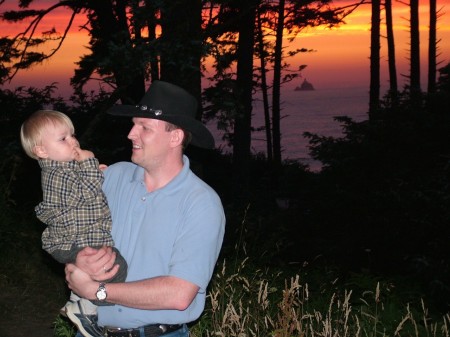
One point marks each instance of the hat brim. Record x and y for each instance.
(201, 136)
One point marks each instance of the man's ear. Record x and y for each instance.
(177, 137)
(39, 151)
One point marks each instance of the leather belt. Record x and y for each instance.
(153, 330)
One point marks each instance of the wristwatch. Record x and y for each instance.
(101, 292)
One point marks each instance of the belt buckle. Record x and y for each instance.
(154, 330)
(166, 328)
(163, 328)
(114, 330)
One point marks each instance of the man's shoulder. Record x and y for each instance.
(120, 169)
(197, 187)
(122, 165)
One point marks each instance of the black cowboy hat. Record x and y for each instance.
(170, 103)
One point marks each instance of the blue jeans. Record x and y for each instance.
(183, 332)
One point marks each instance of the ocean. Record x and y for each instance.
(311, 111)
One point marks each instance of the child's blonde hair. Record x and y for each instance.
(33, 128)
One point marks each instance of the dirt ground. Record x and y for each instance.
(32, 287)
(25, 318)
(29, 312)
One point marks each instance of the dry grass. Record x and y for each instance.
(243, 300)
(255, 305)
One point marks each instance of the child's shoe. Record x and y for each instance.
(84, 315)
(73, 298)
(62, 311)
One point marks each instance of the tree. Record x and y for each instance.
(113, 56)
(121, 55)
(289, 18)
(19, 52)
(393, 84)
(110, 36)
(374, 93)
(243, 92)
(262, 54)
(181, 35)
(276, 88)
(276, 20)
(433, 47)
(415, 89)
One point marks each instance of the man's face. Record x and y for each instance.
(58, 143)
(151, 142)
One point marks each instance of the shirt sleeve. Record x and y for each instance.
(198, 245)
(90, 179)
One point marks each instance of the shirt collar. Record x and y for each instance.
(138, 176)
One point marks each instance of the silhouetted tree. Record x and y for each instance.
(415, 89)
(112, 54)
(244, 91)
(393, 84)
(276, 18)
(374, 92)
(120, 55)
(281, 18)
(181, 44)
(276, 89)
(432, 49)
(262, 54)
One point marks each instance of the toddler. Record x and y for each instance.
(74, 207)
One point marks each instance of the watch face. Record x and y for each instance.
(101, 293)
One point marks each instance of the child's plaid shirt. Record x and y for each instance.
(74, 207)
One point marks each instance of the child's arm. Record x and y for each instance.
(90, 177)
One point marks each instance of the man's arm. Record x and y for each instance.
(158, 293)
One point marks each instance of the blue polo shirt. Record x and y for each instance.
(176, 230)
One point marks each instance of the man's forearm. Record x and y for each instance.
(158, 293)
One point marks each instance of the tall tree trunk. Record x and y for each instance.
(111, 30)
(393, 84)
(264, 90)
(150, 14)
(276, 90)
(415, 89)
(181, 45)
(243, 92)
(432, 47)
(374, 93)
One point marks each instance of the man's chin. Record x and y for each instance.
(134, 159)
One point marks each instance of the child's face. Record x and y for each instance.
(58, 143)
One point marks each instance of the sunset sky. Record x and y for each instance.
(340, 57)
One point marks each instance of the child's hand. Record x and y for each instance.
(102, 167)
(81, 155)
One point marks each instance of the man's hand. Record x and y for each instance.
(80, 282)
(97, 263)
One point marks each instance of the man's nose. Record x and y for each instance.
(131, 133)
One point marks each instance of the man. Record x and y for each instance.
(167, 223)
